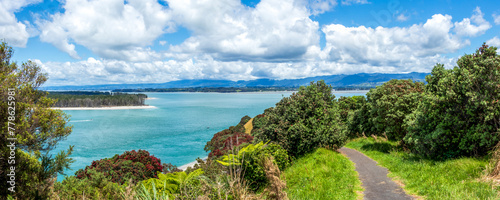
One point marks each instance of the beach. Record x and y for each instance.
(104, 108)
(191, 164)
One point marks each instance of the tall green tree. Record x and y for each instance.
(460, 112)
(304, 121)
(391, 103)
(35, 127)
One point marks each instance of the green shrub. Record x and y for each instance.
(228, 139)
(390, 104)
(348, 108)
(170, 184)
(305, 121)
(251, 158)
(460, 112)
(97, 188)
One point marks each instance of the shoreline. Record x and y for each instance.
(105, 108)
(191, 164)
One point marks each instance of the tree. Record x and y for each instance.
(30, 130)
(304, 121)
(390, 103)
(459, 114)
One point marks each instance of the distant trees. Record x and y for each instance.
(96, 99)
(29, 131)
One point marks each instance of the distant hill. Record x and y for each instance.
(354, 80)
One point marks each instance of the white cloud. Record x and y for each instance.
(495, 41)
(320, 6)
(349, 2)
(272, 31)
(496, 18)
(12, 31)
(465, 28)
(111, 29)
(402, 17)
(396, 46)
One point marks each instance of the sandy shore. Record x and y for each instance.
(150, 98)
(104, 108)
(191, 164)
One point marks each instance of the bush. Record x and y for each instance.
(171, 184)
(251, 159)
(228, 139)
(305, 121)
(135, 165)
(460, 112)
(390, 103)
(97, 188)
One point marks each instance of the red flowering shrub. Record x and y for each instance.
(135, 165)
(230, 143)
(227, 139)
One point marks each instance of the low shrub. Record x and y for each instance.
(99, 187)
(251, 160)
(171, 184)
(135, 165)
(228, 139)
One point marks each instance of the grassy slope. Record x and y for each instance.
(451, 179)
(324, 174)
(249, 126)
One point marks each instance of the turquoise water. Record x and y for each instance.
(176, 131)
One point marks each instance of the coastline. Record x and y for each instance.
(191, 164)
(105, 108)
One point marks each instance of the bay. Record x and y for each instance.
(176, 131)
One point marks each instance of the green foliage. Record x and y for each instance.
(96, 99)
(460, 111)
(170, 184)
(251, 158)
(322, 174)
(36, 129)
(390, 104)
(97, 188)
(305, 121)
(135, 165)
(228, 139)
(451, 179)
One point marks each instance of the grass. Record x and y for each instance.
(451, 179)
(323, 174)
(249, 126)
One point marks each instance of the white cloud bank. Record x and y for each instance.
(11, 30)
(111, 29)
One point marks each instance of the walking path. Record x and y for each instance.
(374, 178)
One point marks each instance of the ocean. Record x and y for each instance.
(176, 131)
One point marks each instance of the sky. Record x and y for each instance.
(88, 42)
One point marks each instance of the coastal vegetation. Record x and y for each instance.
(435, 138)
(96, 99)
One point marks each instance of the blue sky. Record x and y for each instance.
(81, 42)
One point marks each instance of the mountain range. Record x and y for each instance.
(354, 80)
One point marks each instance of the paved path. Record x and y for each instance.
(374, 178)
